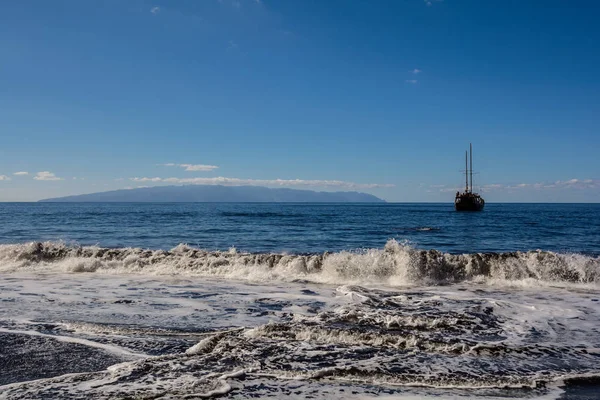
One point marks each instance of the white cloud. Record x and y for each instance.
(198, 167)
(46, 176)
(4, 178)
(450, 189)
(411, 81)
(155, 10)
(147, 179)
(416, 71)
(430, 2)
(192, 167)
(569, 184)
(264, 182)
(21, 173)
(577, 184)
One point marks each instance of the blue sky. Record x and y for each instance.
(375, 96)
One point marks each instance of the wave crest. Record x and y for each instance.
(395, 264)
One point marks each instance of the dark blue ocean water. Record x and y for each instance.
(306, 228)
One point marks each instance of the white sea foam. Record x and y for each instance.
(247, 340)
(396, 264)
(111, 349)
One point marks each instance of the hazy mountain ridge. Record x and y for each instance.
(219, 193)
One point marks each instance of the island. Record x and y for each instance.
(219, 193)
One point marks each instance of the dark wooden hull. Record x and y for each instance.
(469, 203)
(468, 206)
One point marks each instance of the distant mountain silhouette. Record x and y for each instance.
(218, 193)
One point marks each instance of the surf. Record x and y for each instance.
(395, 264)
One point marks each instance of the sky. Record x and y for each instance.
(379, 96)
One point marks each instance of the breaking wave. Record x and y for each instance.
(395, 264)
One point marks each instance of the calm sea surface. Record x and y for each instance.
(306, 228)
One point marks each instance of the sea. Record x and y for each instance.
(299, 301)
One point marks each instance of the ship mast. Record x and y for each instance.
(471, 155)
(466, 174)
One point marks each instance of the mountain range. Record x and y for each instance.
(219, 193)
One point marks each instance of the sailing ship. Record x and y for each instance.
(468, 201)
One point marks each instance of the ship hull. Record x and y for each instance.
(466, 205)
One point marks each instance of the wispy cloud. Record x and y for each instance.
(4, 178)
(232, 45)
(264, 182)
(429, 3)
(20, 173)
(412, 81)
(192, 167)
(449, 189)
(46, 176)
(579, 183)
(494, 186)
(416, 71)
(155, 10)
(157, 179)
(569, 184)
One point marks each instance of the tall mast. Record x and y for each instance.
(466, 174)
(471, 155)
